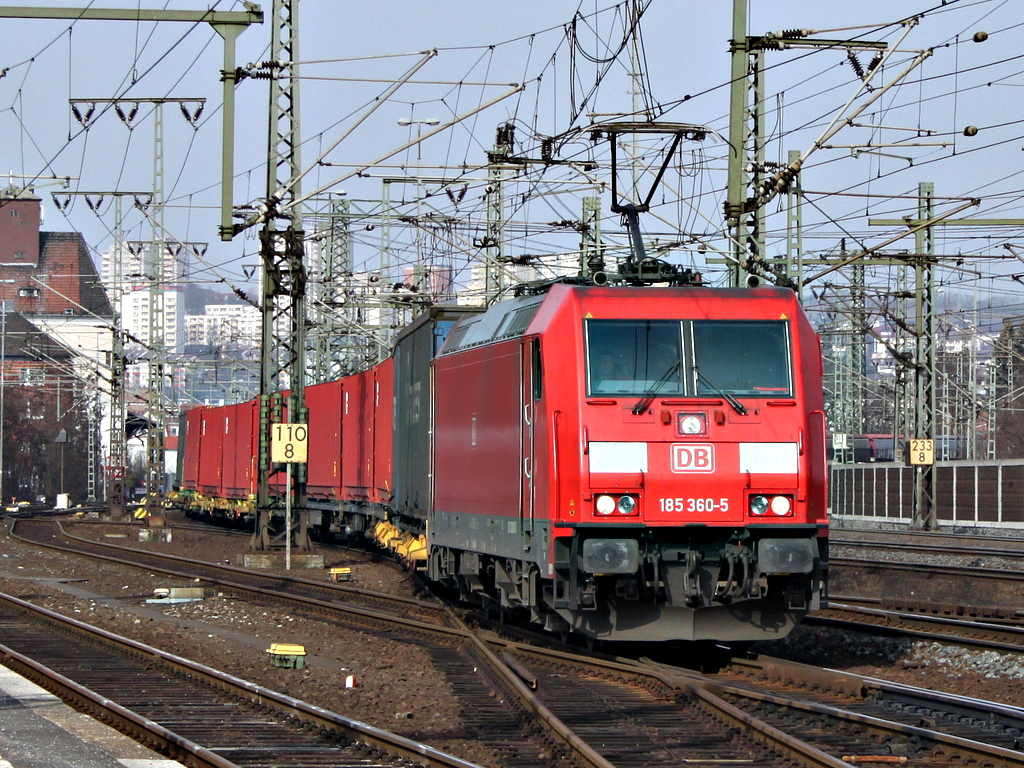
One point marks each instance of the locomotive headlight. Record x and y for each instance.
(691, 425)
(758, 505)
(627, 505)
(781, 505)
(605, 505)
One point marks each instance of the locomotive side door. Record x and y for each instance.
(529, 393)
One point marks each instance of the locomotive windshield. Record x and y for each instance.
(689, 358)
(742, 358)
(627, 357)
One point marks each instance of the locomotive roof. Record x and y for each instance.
(512, 318)
(436, 313)
(501, 321)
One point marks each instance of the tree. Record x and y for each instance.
(35, 464)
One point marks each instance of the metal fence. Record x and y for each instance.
(969, 493)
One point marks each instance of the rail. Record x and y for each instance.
(177, 689)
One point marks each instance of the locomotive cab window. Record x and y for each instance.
(629, 357)
(742, 358)
(689, 358)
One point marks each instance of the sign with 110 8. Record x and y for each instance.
(288, 443)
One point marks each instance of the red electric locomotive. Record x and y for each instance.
(626, 463)
(634, 463)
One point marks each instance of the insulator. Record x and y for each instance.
(546, 146)
(86, 117)
(189, 115)
(855, 63)
(790, 34)
(875, 61)
(506, 134)
(127, 117)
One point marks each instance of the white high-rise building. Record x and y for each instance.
(131, 294)
(237, 325)
(134, 306)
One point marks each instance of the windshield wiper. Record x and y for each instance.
(644, 402)
(736, 404)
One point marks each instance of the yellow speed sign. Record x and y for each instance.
(288, 443)
(922, 452)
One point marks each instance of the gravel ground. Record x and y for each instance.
(981, 674)
(397, 686)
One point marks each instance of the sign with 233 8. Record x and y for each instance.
(922, 451)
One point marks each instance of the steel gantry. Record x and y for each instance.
(116, 463)
(919, 417)
(752, 180)
(228, 24)
(156, 275)
(283, 276)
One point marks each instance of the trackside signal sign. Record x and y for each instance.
(288, 443)
(922, 452)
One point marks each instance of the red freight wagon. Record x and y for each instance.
(634, 463)
(382, 485)
(193, 425)
(212, 455)
(357, 436)
(239, 449)
(324, 446)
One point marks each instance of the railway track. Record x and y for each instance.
(933, 570)
(864, 615)
(941, 578)
(272, 588)
(836, 710)
(498, 709)
(956, 589)
(542, 707)
(931, 542)
(184, 710)
(809, 715)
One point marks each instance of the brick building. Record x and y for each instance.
(55, 342)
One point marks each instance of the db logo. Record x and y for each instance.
(693, 458)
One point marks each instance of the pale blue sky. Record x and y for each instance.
(484, 47)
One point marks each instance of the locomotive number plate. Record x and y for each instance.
(682, 504)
